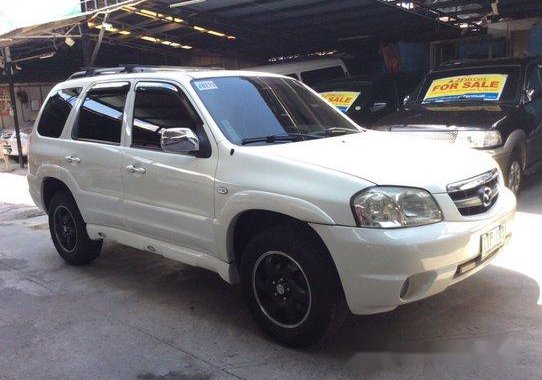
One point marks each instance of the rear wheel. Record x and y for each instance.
(69, 233)
(514, 173)
(292, 288)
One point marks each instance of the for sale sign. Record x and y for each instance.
(343, 100)
(476, 87)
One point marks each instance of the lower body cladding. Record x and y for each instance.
(381, 269)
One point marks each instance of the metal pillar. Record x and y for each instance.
(9, 68)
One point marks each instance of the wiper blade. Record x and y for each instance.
(279, 138)
(332, 131)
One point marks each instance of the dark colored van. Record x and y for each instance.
(492, 105)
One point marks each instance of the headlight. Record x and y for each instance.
(479, 139)
(394, 207)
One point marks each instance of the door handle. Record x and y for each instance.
(135, 169)
(72, 159)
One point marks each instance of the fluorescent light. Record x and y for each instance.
(150, 39)
(214, 33)
(187, 2)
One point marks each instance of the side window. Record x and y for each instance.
(100, 115)
(157, 107)
(316, 76)
(383, 96)
(534, 79)
(56, 112)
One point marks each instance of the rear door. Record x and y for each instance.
(169, 196)
(93, 156)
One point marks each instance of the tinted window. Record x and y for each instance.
(505, 76)
(100, 116)
(56, 112)
(317, 76)
(158, 107)
(383, 95)
(250, 107)
(534, 79)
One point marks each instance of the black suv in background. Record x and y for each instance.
(494, 105)
(366, 100)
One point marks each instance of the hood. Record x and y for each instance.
(385, 159)
(445, 117)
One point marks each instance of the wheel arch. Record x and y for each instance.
(49, 187)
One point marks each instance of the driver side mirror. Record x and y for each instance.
(179, 140)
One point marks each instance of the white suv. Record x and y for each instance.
(257, 178)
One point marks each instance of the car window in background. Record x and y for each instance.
(100, 116)
(384, 96)
(486, 84)
(316, 76)
(56, 112)
(157, 109)
(249, 107)
(534, 79)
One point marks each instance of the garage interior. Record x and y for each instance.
(243, 34)
(136, 296)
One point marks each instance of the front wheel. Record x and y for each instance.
(292, 287)
(514, 174)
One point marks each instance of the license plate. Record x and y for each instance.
(7, 149)
(492, 240)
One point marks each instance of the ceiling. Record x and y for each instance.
(262, 29)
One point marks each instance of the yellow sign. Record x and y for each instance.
(475, 87)
(343, 100)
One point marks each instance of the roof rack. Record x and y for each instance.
(127, 69)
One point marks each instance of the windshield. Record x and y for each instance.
(248, 108)
(486, 84)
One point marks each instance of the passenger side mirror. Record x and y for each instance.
(179, 140)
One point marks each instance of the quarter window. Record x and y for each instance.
(100, 115)
(56, 112)
(157, 107)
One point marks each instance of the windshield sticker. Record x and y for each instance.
(343, 100)
(486, 87)
(206, 85)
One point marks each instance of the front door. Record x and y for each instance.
(169, 196)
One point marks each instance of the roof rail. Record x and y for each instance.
(132, 68)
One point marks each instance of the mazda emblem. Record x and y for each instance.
(486, 195)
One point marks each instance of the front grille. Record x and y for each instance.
(475, 195)
(6, 135)
(445, 136)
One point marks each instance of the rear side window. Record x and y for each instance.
(56, 112)
(100, 115)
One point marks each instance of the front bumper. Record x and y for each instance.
(374, 264)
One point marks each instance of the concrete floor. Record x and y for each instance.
(135, 315)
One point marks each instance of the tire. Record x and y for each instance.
(306, 304)
(69, 232)
(514, 173)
